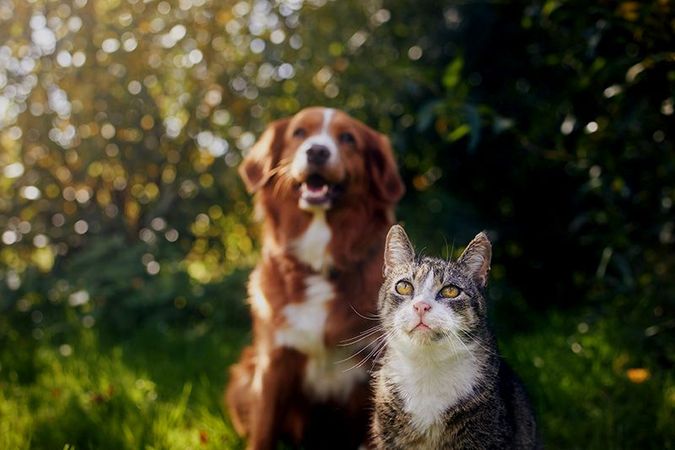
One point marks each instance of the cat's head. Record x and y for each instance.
(432, 302)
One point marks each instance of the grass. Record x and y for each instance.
(153, 389)
(161, 387)
(592, 389)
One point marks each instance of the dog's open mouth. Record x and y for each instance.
(317, 191)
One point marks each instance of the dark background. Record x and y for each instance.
(127, 235)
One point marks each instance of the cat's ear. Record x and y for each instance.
(397, 249)
(477, 257)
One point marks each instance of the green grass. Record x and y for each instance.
(577, 374)
(161, 387)
(152, 389)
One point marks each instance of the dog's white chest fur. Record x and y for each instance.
(312, 247)
(430, 387)
(306, 320)
(304, 331)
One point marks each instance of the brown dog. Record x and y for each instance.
(325, 186)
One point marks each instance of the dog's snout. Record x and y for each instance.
(318, 155)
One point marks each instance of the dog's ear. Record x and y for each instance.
(382, 169)
(256, 168)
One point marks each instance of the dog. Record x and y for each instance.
(325, 189)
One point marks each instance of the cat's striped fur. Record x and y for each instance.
(441, 383)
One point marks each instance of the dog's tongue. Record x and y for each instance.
(315, 189)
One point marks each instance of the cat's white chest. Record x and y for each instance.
(429, 388)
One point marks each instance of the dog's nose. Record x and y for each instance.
(317, 155)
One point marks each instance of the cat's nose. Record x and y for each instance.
(421, 307)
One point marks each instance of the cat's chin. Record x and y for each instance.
(423, 334)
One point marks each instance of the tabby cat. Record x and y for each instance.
(441, 383)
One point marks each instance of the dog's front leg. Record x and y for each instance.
(281, 380)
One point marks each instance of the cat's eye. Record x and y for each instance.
(404, 288)
(450, 292)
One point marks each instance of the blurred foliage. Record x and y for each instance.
(549, 123)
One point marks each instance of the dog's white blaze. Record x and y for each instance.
(328, 114)
(324, 138)
(305, 321)
(259, 303)
(299, 164)
(429, 384)
(311, 248)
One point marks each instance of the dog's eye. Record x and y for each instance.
(450, 292)
(404, 288)
(346, 138)
(299, 133)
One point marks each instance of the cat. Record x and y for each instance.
(440, 383)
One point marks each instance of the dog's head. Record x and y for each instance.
(322, 155)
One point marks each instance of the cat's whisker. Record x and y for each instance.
(367, 331)
(370, 317)
(486, 349)
(367, 357)
(361, 336)
(451, 340)
(448, 256)
(379, 343)
(377, 356)
(462, 343)
(477, 341)
(374, 343)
